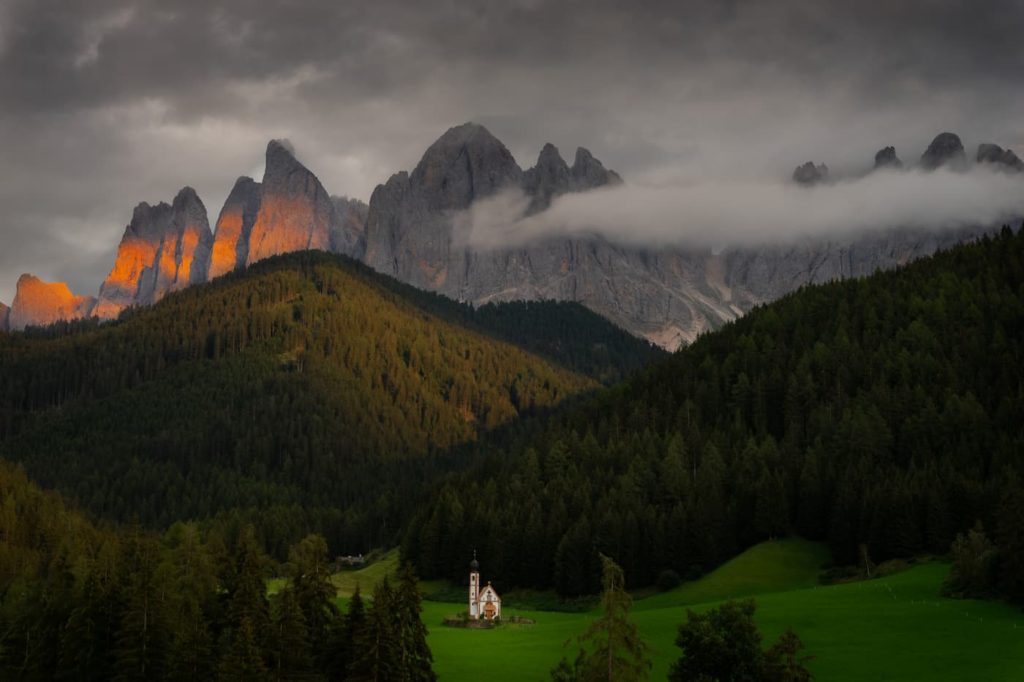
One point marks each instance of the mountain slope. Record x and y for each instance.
(301, 381)
(887, 411)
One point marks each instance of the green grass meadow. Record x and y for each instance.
(892, 628)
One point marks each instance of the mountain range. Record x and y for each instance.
(408, 231)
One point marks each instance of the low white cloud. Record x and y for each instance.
(738, 213)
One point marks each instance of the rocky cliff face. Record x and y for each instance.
(886, 158)
(38, 303)
(349, 234)
(945, 150)
(234, 227)
(1002, 158)
(164, 248)
(4, 313)
(289, 211)
(409, 225)
(810, 174)
(295, 211)
(666, 295)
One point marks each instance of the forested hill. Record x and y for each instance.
(887, 411)
(304, 382)
(564, 332)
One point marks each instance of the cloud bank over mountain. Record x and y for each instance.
(749, 212)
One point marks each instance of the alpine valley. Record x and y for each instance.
(837, 431)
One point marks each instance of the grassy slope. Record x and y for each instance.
(768, 567)
(896, 628)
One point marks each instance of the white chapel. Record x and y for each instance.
(483, 603)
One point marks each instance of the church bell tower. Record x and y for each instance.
(474, 588)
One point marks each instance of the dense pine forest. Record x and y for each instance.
(882, 415)
(83, 603)
(307, 393)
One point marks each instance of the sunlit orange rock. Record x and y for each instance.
(289, 211)
(4, 311)
(164, 248)
(295, 210)
(234, 226)
(40, 303)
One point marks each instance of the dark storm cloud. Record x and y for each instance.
(109, 102)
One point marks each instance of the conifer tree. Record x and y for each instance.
(141, 639)
(415, 657)
(377, 648)
(193, 581)
(611, 648)
(345, 632)
(243, 659)
(247, 601)
(313, 590)
(292, 657)
(1010, 540)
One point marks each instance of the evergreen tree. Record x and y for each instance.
(313, 590)
(345, 632)
(141, 639)
(611, 648)
(243, 659)
(193, 594)
(783, 663)
(415, 660)
(247, 597)
(377, 647)
(1010, 540)
(292, 656)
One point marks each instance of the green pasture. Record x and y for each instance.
(892, 628)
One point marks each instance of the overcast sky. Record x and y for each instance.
(107, 103)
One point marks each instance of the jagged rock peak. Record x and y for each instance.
(295, 212)
(589, 173)
(945, 150)
(281, 159)
(164, 248)
(994, 154)
(464, 164)
(886, 158)
(234, 226)
(549, 178)
(4, 312)
(39, 303)
(809, 174)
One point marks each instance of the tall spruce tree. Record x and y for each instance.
(415, 657)
(611, 648)
(314, 592)
(290, 642)
(141, 639)
(377, 648)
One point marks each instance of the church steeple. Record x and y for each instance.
(474, 587)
